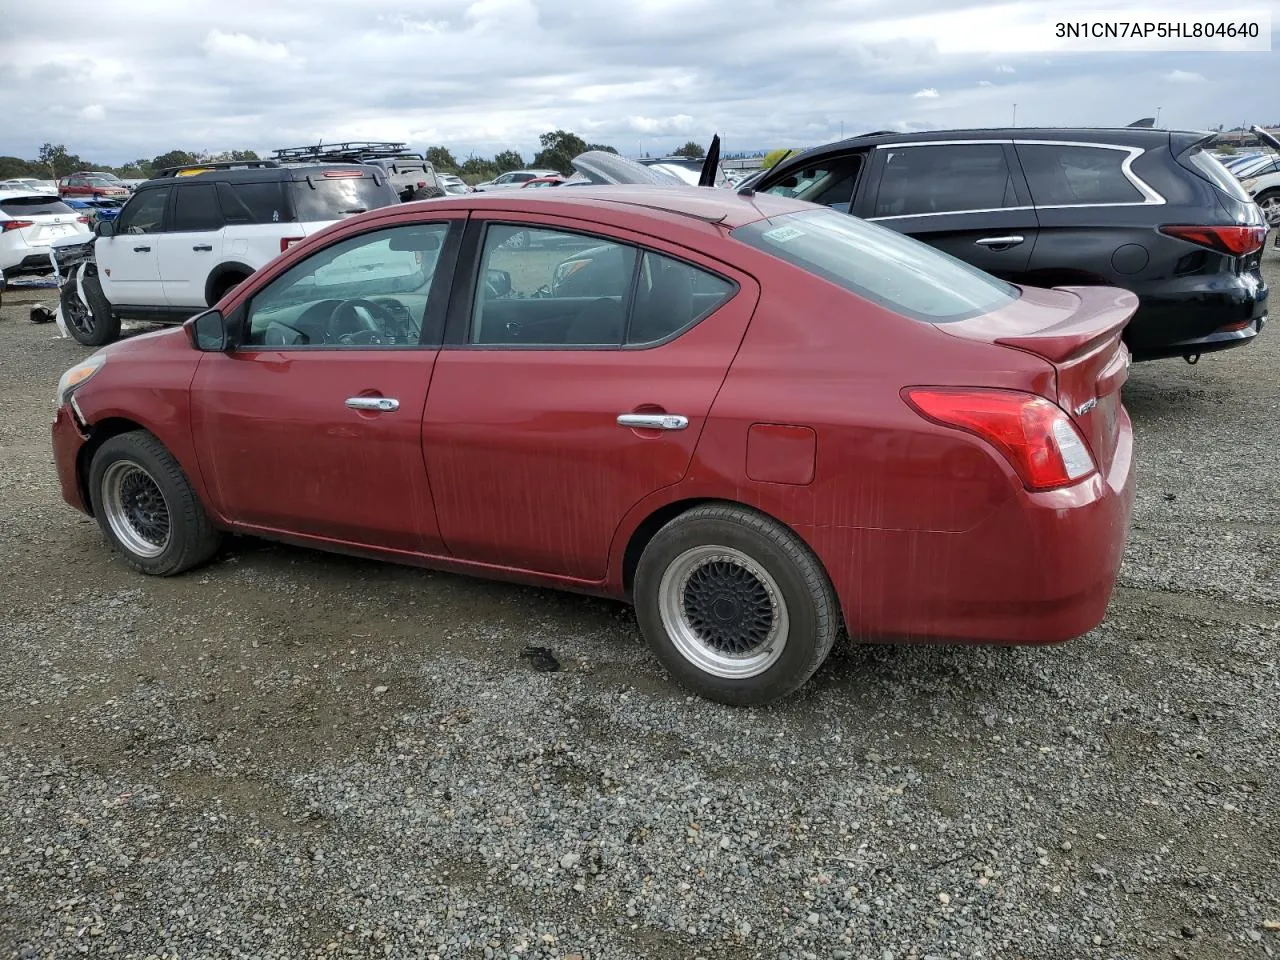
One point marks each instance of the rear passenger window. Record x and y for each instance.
(1062, 176)
(196, 209)
(671, 297)
(949, 178)
(252, 202)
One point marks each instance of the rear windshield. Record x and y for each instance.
(28, 206)
(332, 198)
(879, 264)
(1212, 170)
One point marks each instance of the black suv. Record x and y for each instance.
(1148, 210)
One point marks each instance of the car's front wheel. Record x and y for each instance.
(735, 605)
(89, 319)
(147, 508)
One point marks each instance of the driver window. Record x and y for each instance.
(367, 290)
(144, 213)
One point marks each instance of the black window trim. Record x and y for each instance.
(1020, 185)
(438, 297)
(458, 325)
(1151, 197)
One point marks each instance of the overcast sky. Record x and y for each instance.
(115, 80)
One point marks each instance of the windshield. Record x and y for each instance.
(880, 265)
(332, 198)
(31, 206)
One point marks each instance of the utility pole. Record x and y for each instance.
(1015, 115)
(1158, 116)
(841, 129)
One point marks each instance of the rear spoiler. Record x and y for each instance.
(1184, 141)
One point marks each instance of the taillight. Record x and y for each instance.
(1234, 240)
(15, 225)
(343, 173)
(82, 219)
(287, 242)
(1035, 436)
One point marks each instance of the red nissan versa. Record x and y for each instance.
(757, 419)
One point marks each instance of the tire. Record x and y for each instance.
(735, 560)
(1269, 201)
(132, 480)
(225, 285)
(95, 325)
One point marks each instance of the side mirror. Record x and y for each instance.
(105, 228)
(208, 332)
(499, 281)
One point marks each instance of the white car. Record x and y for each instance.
(28, 185)
(514, 179)
(453, 184)
(187, 237)
(29, 223)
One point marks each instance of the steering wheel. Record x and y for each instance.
(359, 321)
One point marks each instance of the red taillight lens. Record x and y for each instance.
(287, 242)
(422, 183)
(1235, 240)
(83, 219)
(1035, 436)
(343, 173)
(15, 225)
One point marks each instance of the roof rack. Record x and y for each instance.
(350, 151)
(212, 165)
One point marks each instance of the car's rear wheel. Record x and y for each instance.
(147, 508)
(1269, 201)
(225, 285)
(735, 605)
(92, 324)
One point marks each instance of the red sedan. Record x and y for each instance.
(758, 420)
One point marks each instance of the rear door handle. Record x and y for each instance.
(141, 249)
(202, 246)
(653, 421)
(385, 404)
(999, 241)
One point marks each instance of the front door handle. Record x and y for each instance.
(999, 241)
(141, 249)
(653, 421)
(384, 404)
(202, 246)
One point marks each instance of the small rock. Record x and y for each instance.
(1272, 925)
(569, 861)
(379, 691)
(944, 899)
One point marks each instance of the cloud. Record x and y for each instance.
(479, 76)
(241, 46)
(1183, 76)
(94, 111)
(985, 83)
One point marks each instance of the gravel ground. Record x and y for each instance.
(294, 755)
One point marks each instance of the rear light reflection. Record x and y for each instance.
(343, 173)
(1035, 436)
(1236, 241)
(15, 225)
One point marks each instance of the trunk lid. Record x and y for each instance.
(46, 228)
(1076, 330)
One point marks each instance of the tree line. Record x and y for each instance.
(558, 148)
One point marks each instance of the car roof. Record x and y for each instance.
(1120, 136)
(11, 194)
(725, 208)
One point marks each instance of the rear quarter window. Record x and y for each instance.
(254, 202)
(888, 268)
(1067, 176)
(30, 206)
(1209, 167)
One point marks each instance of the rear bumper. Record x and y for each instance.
(67, 441)
(1198, 315)
(1041, 569)
(31, 265)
